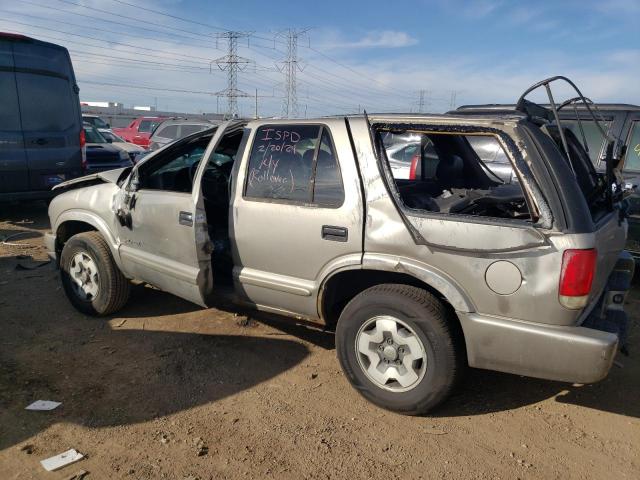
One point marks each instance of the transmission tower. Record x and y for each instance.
(422, 102)
(232, 63)
(290, 67)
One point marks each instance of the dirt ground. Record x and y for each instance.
(166, 389)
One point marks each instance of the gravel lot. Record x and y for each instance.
(166, 389)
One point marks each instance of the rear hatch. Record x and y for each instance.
(49, 107)
(14, 172)
(609, 229)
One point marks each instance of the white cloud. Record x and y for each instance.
(376, 39)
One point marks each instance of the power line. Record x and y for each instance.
(119, 22)
(94, 9)
(137, 47)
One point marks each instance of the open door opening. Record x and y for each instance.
(216, 189)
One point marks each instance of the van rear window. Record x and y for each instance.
(46, 103)
(9, 113)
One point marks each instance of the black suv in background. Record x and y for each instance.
(41, 136)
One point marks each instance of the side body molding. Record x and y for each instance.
(440, 281)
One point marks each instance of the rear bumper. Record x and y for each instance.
(569, 354)
(577, 354)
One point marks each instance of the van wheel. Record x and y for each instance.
(90, 277)
(399, 348)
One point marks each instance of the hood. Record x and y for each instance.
(107, 147)
(128, 147)
(109, 176)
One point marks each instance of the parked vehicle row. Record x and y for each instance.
(420, 274)
(41, 136)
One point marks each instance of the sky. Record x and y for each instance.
(351, 55)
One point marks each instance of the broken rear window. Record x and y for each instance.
(444, 172)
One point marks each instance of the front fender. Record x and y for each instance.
(97, 222)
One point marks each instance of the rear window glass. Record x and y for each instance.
(327, 187)
(632, 160)
(295, 163)
(281, 161)
(147, 126)
(591, 133)
(9, 110)
(46, 103)
(170, 131)
(42, 57)
(189, 129)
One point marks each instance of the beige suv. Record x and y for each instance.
(419, 276)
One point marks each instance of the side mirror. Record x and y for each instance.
(109, 140)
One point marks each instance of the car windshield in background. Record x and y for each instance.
(93, 136)
(96, 122)
(189, 129)
(147, 126)
(592, 134)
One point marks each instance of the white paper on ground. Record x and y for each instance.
(61, 460)
(43, 405)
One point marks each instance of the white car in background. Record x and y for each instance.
(133, 150)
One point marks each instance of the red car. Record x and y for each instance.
(139, 131)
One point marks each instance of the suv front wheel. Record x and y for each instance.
(90, 277)
(399, 348)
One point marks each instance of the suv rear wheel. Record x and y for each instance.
(90, 277)
(399, 349)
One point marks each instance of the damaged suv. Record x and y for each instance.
(420, 275)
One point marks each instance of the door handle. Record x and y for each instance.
(186, 218)
(40, 141)
(335, 234)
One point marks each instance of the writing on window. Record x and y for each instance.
(294, 163)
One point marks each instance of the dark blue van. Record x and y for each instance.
(41, 136)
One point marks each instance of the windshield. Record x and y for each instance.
(92, 135)
(147, 126)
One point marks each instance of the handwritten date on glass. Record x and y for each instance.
(279, 182)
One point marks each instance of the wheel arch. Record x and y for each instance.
(342, 285)
(73, 222)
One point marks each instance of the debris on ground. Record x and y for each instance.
(78, 475)
(61, 460)
(43, 405)
(27, 448)
(244, 321)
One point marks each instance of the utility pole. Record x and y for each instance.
(290, 68)
(256, 103)
(232, 63)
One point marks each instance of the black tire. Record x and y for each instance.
(432, 324)
(114, 288)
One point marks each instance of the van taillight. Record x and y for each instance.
(414, 166)
(83, 148)
(576, 277)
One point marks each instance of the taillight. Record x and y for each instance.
(414, 166)
(576, 277)
(83, 149)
